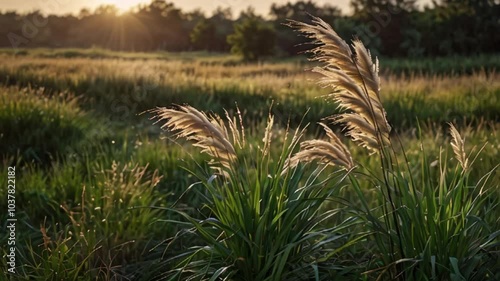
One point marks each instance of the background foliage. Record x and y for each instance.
(388, 27)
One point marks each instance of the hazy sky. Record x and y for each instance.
(72, 6)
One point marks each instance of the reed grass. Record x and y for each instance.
(432, 228)
(420, 231)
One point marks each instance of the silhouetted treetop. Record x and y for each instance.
(388, 27)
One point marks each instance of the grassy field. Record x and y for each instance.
(102, 193)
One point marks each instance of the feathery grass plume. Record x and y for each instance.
(332, 152)
(267, 135)
(208, 133)
(458, 145)
(237, 133)
(354, 78)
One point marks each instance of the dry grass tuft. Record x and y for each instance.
(208, 132)
(355, 82)
(458, 145)
(332, 152)
(267, 136)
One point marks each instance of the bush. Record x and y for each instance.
(252, 39)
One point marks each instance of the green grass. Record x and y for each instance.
(124, 88)
(98, 53)
(457, 65)
(442, 65)
(71, 123)
(263, 225)
(433, 222)
(37, 126)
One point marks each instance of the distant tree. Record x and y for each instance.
(211, 33)
(222, 19)
(193, 18)
(166, 26)
(300, 11)
(252, 39)
(109, 10)
(388, 27)
(249, 12)
(364, 7)
(475, 23)
(384, 22)
(84, 13)
(203, 35)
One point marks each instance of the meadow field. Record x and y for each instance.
(103, 193)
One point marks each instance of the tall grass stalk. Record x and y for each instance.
(108, 229)
(433, 230)
(264, 220)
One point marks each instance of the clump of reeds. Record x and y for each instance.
(412, 234)
(209, 133)
(260, 200)
(411, 229)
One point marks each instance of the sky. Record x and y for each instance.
(72, 6)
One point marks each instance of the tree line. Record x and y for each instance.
(393, 28)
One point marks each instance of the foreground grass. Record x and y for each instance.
(90, 167)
